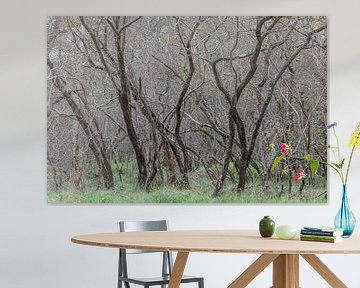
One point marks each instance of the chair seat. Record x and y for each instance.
(158, 280)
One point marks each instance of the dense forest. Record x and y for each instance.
(185, 109)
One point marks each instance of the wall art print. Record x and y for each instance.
(176, 109)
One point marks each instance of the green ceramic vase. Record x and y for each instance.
(266, 227)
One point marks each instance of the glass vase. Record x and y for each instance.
(345, 219)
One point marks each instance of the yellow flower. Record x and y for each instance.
(355, 138)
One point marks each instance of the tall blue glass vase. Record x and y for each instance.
(345, 219)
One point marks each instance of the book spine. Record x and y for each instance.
(318, 239)
(319, 236)
(320, 233)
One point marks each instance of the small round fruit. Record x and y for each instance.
(285, 232)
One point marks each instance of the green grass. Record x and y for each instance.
(127, 191)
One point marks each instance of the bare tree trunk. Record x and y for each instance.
(56, 178)
(266, 180)
(242, 178)
(156, 124)
(186, 166)
(169, 162)
(155, 150)
(139, 153)
(122, 91)
(77, 170)
(234, 118)
(221, 180)
(124, 98)
(94, 143)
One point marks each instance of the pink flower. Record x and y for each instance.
(284, 148)
(300, 174)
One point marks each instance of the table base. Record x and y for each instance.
(285, 270)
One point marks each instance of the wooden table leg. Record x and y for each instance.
(178, 270)
(286, 271)
(324, 271)
(253, 270)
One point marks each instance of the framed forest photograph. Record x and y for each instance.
(190, 109)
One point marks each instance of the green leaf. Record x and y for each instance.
(339, 166)
(314, 166)
(307, 158)
(342, 164)
(336, 165)
(277, 161)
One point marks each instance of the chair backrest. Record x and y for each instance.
(134, 226)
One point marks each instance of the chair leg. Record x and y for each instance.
(201, 283)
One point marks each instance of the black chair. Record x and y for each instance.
(167, 265)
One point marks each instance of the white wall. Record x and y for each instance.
(35, 248)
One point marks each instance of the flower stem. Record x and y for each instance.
(338, 145)
(348, 166)
(340, 171)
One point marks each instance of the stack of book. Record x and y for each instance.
(321, 234)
